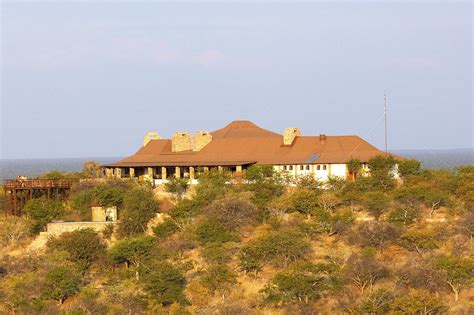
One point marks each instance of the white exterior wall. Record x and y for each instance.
(339, 170)
(322, 174)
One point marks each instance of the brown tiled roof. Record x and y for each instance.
(243, 142)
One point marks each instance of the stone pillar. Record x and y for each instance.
(238, 169)
(150, 172)
(118, 172)
(206, 169)
(220, 169)
(163, 173)
(108, 172)
(178, 172)
(132, 172)
(191, 173)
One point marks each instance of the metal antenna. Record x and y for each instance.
(385, 114)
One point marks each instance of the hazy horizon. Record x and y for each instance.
(83, 79)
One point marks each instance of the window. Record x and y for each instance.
(318, 167)
(324, 167)
(307, 167)
(301, 167)
(284, 167)
(290, 167)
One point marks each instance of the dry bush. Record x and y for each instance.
(13, 230)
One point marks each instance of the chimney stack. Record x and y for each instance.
(201, 139)
(181, 141)
(152, 135)
(290, 134)
(322, 138)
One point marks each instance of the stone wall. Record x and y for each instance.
(57, 228)
(201, 139)
(181, 141)
(290, 134)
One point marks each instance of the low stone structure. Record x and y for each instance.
(99, 214)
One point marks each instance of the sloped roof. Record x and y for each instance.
(243, 142)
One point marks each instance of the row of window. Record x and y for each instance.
(323, 167)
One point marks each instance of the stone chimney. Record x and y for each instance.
(201, 139)
(181, 141)
(322, 138)
(150, 136)
(290, 135)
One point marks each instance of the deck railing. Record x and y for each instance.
(37, 183)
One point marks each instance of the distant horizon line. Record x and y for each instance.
(118, 157)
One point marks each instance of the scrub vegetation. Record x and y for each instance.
(253, 245)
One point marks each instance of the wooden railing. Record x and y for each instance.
(37, 183)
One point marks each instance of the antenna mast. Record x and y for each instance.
(385, 115)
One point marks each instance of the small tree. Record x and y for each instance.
(42, 211)
(378, 302)
(90, 169)
(435, 199)
(84, 246)
(60, 283)
(219, 277)
(408, 167)
(418, 302)
(404, 215)
(110, 193)
(308, 182)
(459, 272)
(376, 203)
(166, 284)
(354, 166)
(420, 276)
(279, 247)
(328, 201)
(81, 203)
(300, 285)
(376, 234)
(264, 183)
(139, 252)
(234, 212)
(14, 229)
(420, 240)
(213, 230)
(305, 201)
(364, 271)
(177, 186)
(166, 228)
(139, 206)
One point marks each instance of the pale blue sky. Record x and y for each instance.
(90, 79)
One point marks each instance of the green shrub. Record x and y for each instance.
(213, 231)
(82, 203)
(60, 283)
(279, 247)
(42, 211)
(418, 302)
(177, 185)
(233, 212)
(166, 228)
(219, 277)
(166, 284)
(301, 284)
(407, 167)
(139, 206)
(136, 251)
(84, 246)
(378, 302)
(376, 203)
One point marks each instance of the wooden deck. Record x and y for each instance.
(19, 191)
(37, 183)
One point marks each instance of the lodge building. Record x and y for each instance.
(237, 146)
